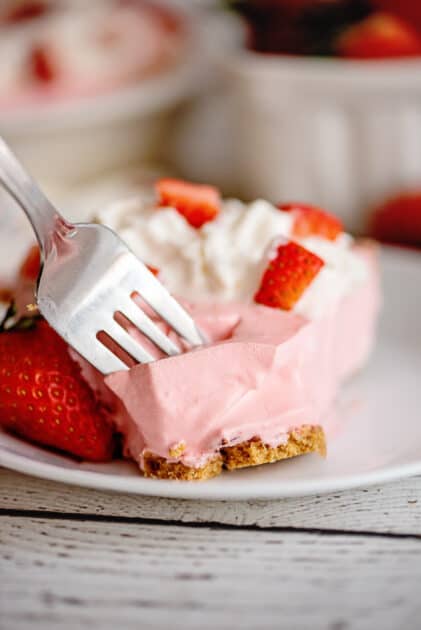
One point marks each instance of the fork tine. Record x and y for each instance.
(135, 314)
(99, 355)
(156, 295)
(130, 345)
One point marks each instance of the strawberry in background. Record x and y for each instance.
(398, 220)
(298, 27)
(353, 29)
(379, 36)
(409, 10)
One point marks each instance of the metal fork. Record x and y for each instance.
(88, 274)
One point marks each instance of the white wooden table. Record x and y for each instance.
(73, 558)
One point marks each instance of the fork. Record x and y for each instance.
(87, 276)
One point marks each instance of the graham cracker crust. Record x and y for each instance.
(160, 468)
(307, 439)
(254, 452)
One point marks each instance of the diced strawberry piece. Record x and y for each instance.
(42, 64)
(153, 270)
(30, 267)
(398, 220)
(44, 398)
(312, 221)
(169, 19)
(24, 11)
(197, 203)
(379, 36)
(288, 275)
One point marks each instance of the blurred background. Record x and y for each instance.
(291, 100)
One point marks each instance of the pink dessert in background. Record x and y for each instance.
(65, 49)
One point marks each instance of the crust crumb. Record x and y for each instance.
(177, 450)
(159, 468)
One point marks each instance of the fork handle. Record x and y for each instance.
(47, 222)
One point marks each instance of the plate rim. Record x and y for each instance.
(204, 490)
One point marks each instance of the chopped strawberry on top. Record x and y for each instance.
(197, 203)
(379, 36)
(312, 221)
(153, 270)
(44, 398)
(42, 65)
(290, 272)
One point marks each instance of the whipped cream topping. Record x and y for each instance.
(86, 45)
(225, 259)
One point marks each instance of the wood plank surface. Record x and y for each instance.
(77, 559)
(392, 508)
(68, 575)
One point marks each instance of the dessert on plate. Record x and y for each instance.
(65, 49)
(286, 301)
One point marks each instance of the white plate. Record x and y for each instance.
(380, 413)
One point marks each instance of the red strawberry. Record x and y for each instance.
(409, 10)
(24, 11)
(30, 267)
(312, 221)
(43, 397)
(197, 203)
(288, 275)
(379, 36)
(42, 64)
(398, 220)
(153, 270)
(6, 295)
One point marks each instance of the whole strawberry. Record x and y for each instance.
(43, 397)
(409, 10)
(398, 219)
(379, 36)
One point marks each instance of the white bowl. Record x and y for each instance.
(64, 143)
(338, 133)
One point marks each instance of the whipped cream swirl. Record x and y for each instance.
(225, 259)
